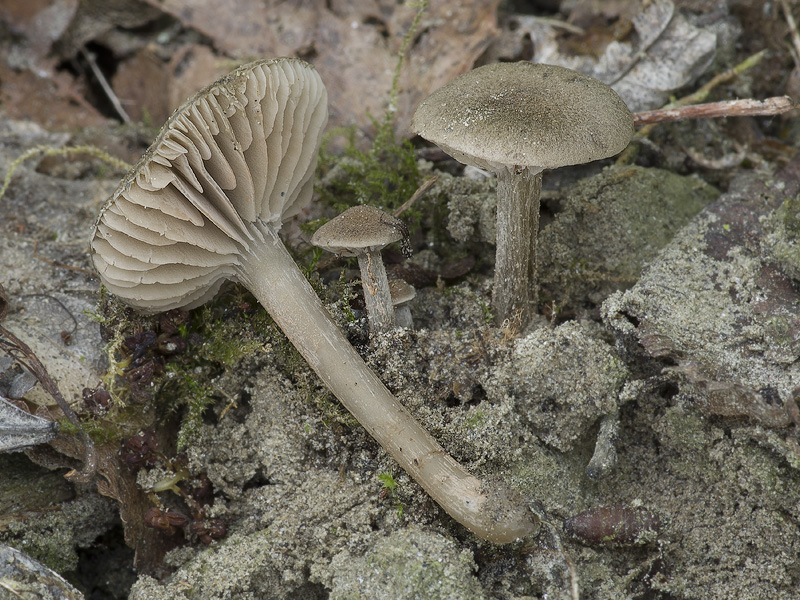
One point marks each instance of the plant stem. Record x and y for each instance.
(746, 107)
(628, 156)
(273, 277)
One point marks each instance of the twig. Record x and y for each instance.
(793, 31)
(57, 301)
(728, 108)
(21, 352)
(101, 79)
(629, 154)
(424, 187)
(725, 162)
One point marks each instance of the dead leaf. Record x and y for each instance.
(37, 24)
(117, 482)
(55, 103)
(150, 89)
(444, 49)
(354, 45)
(667, 53)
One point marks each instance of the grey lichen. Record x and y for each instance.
(407, 565)
(562, 381)
(611, 226)
(55, 537)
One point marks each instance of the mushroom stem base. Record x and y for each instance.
(492, 512)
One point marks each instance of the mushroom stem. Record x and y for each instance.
(377, 298)
(403, 318)
(492, 512)
(515, 289)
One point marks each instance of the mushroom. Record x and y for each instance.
(517, 119)
(402, 293)
(363, 231)
(205, 204)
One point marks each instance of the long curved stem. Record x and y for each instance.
(492, 512)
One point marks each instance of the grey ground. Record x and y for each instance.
(690, 365)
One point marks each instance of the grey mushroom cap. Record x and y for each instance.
(358, 230)
(239, 154)
(401, 291)
(525, 114)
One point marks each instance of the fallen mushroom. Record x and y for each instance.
(517, 119)
(205, 204)
(363, 231)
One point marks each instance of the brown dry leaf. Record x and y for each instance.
(354, 45)
(97, 17)
(445, 48)
(37, 24)
(55, 103)
(148, 87)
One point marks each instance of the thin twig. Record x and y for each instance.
(728, 108)
(424, 187)
(793, 31)
(101, 79)
(629, 154)
(57, 301)
(57, 264)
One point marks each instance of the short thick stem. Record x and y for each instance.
(378, 300)
(515, 290)
(491, 512)
(402, 317)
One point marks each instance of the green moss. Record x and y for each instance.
(197, 398)
(789, 214)
(228, 340)
(388, 481)
(476, 419)
(783, 231)
(384, 175)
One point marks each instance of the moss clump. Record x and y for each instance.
(783, 236)
(611, 226)
(384, 175)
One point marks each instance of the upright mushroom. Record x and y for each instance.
(363, 231)
(205, 204)
(402, 293)
(517, 119)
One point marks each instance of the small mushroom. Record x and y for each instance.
(517, 119)
(363, 231)
(205, 204)
(402, 293)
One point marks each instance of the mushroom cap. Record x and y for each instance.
(525, 114)
(401, 291)
(358, 230)
(239, 155)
